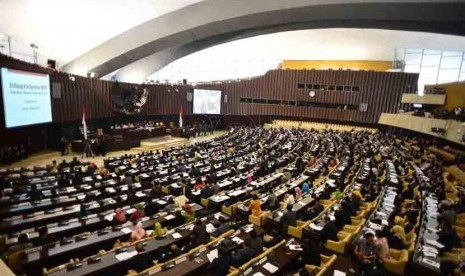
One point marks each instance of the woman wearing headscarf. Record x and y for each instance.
(138, 233)
(120, 216)
(305, 187)
(397, 238)
(158, 230)
(188, 214)
(298, 192)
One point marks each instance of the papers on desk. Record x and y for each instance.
(301, 203)
(295, 247)
(339, 273)
(210, 228)
(315, 227)
(434, 243)
(271, 268)
(432, 230)
(237, 240)
(375, 226)
(125, 255)
(149, 233)
(169, 217)
(81, 197)
(430, 262)
(176, 235)
(161, 202)
(332, 217)
(140, 194)
(126, 230)
(212, 255)
(130, 211)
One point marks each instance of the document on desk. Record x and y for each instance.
(176, 235)
(430, 262)
(434, 243)
(258, 274)
(237, 240)
(271, 268)
(126, 230)
(212, 255)
(161, 202)
(301, 203)
(295, 247)
(316, 227)
(339, 273)
(169, 217)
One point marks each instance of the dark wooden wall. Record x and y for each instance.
(382, 92)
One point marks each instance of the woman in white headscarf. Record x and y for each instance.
(138, 233)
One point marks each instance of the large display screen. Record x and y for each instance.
(207, 101)
(26, 98)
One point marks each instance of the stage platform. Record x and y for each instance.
(155, 143)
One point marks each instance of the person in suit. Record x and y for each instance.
(223, 226)
(342, 217)
(44, 238)
(243, 255)
(310, 253)
(200, 233)
(206, 192)
(329, 231)
(151, 208)
(289, 218)
(142, 260)
(34, 194)
(256, 242)
(23, 244)
(220, 265)
(448, 237)
(186, 191)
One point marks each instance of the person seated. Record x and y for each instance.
(310, 253)
(120, 216)
(44, 238)
(289, 218)
(383, 244)
(151, 208)
(305, 187)
(137, 214)
(188, 213)
(170, 254)
(255, 206)
(200, 233)
(220, 265)
(326, 194)
(256, 242)
(156, 192)
(271, 202)
(298, 192)
(206, 192)
(138, 233)
(158, 230)
(75, 163)
(288, 199)
(23, 244)
(396, 238)
(410, 224)
(342, 217)
(199, 184)
(171, 207)
(243, 255)
(448, 215)
(63, 165)
(127, 180)
(91, 168)
(132, 198)
(223, 227)
(368, 254)
(329, 231)
(448, 237)
(83, 212)
(34, 194)
(186, 190)
(142, 260)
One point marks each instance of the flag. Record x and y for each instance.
(180, 116)
(84, 125)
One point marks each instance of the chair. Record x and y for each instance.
(231, 209)
(259, 220)
(15, 260)
(339, 246)
(296, 231)
(396, 264)
(204, 202)
(411, 244)
(358, 222)
(326, 261)
(351, 228)
(165, 190)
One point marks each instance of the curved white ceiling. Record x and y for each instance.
(65, 29)
(254, 56)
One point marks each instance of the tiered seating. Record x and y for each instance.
(319, 126)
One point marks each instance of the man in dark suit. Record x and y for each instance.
(288, 219)
(185, 190)
(329, 231)
(342, 217)
(142, 260)
(220, 265)
(244, 254)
